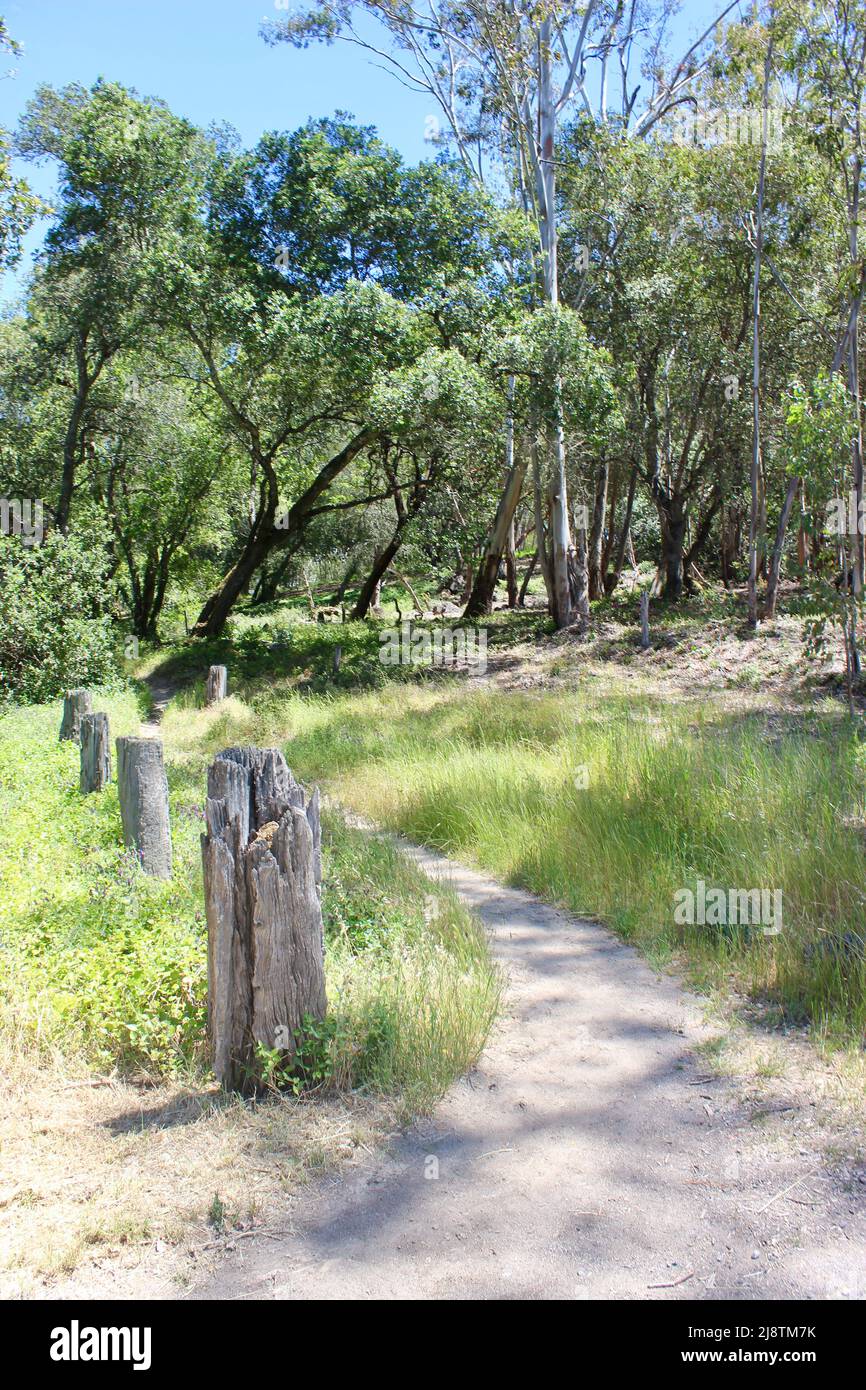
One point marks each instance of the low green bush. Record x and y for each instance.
(55, 627)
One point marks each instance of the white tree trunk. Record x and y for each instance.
(560, 530)
(756, 350)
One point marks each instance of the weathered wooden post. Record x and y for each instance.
(95, 753)
(644, 619)
(262, 882)
(75, 704)
(217, 685)
(143, 793)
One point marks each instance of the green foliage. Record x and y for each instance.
(98, 959)
(102, 962)
(565, 372)
(217, 1214)
(344, 207)
(19, 206)
(820, 427)
(318, 1045)
(55, 631)
(278, 644)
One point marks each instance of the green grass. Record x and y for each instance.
(103, 963)
(97, 959)
(276, 645)
(673, 794)
(600, 796)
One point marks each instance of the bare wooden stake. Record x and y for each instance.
(644, 619)
(75, 704)
(143, 793)
(262, 882)
(217, 685)
(95, 753)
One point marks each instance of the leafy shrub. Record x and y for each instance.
(55, 631)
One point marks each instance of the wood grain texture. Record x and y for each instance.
(262, 879)
(75, 704)
(217, 685)
(95, 753)
(143, 793)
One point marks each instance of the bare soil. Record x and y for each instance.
(616, 1141)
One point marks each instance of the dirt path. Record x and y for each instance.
(161, 691)
(590, 1155)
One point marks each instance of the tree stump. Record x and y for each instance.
(644, 620)
(217, 685)
(143, 792)
(95, 753)
(262, 882)
(75, 704)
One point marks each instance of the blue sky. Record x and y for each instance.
(206, 60)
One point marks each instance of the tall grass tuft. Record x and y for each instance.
(611, 805)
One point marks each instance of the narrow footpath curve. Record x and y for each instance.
(161, 691)
(589, 1155)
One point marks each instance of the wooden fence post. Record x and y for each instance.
(95, 753)
(217, 685)
(262, 882)
(75, 704)
(644, 619)
(143, 792)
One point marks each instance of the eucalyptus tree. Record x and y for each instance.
(672, 292)
(829, 62)
(755, 473)
(804, 185)
(553, 372)
(679, 313)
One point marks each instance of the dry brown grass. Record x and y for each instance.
(691, 658)
(796, 1095)
(108, 1188)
